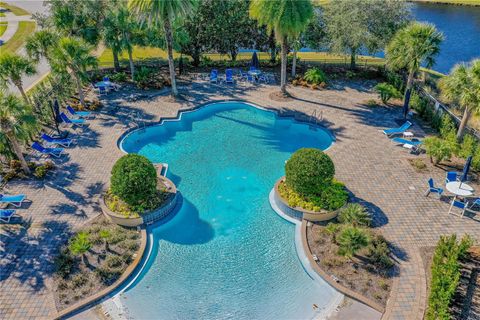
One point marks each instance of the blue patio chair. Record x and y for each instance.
(451, 176)
(213, 77)
(102, 90)
(67, 120)
(15, 200)
(7, 214)
(80, 114)
(252, 68)
(49, 140)
(229, 76)
(399, 130)
(56, 152)
(463, 206)
(106, 79)
(432, 188)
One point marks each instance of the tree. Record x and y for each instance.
(12, 68)
(40, 44)
(315, 34)
(297, 44)
(73, 55)
(163, 13)
(462, 85)
(287, 18)
(412, 46)
(356, 25)
(17, 123)
(350, 240)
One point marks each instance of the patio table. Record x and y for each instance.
(255, 73)
(459, 188)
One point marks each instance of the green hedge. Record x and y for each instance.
(445, 275)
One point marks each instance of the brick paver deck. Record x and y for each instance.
(375, 170)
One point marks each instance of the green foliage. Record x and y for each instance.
(333, 229)
(447, 128)
(379, 253)
(13, 67)
(64, 263)
(395, 79)
(118, 77)
(40, 44)
(438, 149)
(142, 77)
(315, 76)
(350, 240)
(476, 160)
(309, 171)
(468, 146)
(134, 179)
(355, 214)
(333, 197)
(387, 91)
(445, 272)
(80, 244)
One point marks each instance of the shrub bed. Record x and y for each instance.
(14, 170)
(353, 253)
(93, 259)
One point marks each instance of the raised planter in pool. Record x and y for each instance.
(148, 217)
(225, 254)
(297, 212)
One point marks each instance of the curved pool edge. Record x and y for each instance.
(180, 112)
(306, 263)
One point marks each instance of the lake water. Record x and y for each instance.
(461, 27)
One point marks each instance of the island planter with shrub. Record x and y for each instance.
(314, 78)
(309, 190)
(137, 195)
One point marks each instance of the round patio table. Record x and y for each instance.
(459, 188)
(255, 73)
(104, 84)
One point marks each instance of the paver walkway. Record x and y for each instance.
(373, 168)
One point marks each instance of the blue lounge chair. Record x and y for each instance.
(66, 119)
(475, 202)
(49, 140)
(432, 188)
(229, 76)
(15, 200)
(80, 114)
(463, 206)
(56, 152)
(451, 176)
(405, 141)
(7, 214)
(402, 129)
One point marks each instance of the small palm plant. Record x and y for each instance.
(12, 68)
(350, 240)
(79, 246)
(355, 215)
(315, 76)
(105, 234)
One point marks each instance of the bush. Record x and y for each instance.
(438, 149)
(333, 197)
(355, 214)
(64, 264)
(134, 179)
(118, 77)
(315, 76)
(468, 146)
(387, 91)
(379, 252)
(445, 275)
(80, 244)
(395, 80)
(350, 240)
(476, 160)
(447, 128)
(309, 171)
(142, 77)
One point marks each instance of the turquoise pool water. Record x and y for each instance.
(225, 254)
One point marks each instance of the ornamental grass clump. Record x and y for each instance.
(310, 182)
(134, 181)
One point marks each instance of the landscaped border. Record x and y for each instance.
(103, 293)
(178, 117)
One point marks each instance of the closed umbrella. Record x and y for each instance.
(466, 168)
(255, 63)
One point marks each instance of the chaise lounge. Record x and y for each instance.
(15, 200)
(402, 129)
(56, 152)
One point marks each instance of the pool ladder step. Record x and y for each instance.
(314, 119)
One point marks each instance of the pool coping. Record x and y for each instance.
(178, 117)
(91, 300)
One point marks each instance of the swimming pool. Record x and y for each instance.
(225, 254)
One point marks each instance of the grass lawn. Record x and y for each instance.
(25, 28)
(3, 27)
(13, 9)
(2, 14)
(142, 53)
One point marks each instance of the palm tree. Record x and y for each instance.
(355, 215)
(350, 240)
(73, 55)
(416, 44)
(162, 12)
(17, 123)
(79, 246)
(462, 85)
(287, 18)
(12, 68)
(40, 44)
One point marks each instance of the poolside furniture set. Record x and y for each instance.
(105, 86)
(253, 76)
(414, 145)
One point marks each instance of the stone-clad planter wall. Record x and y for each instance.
(147, 218)
(300, 213)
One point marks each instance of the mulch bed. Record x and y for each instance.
(359, 274)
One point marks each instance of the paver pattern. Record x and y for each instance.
(375, 170)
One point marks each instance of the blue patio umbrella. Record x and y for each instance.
(255, 63)
(466, 168)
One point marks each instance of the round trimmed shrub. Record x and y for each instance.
(134, 179)
(309, 171)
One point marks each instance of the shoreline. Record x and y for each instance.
(472, 3)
